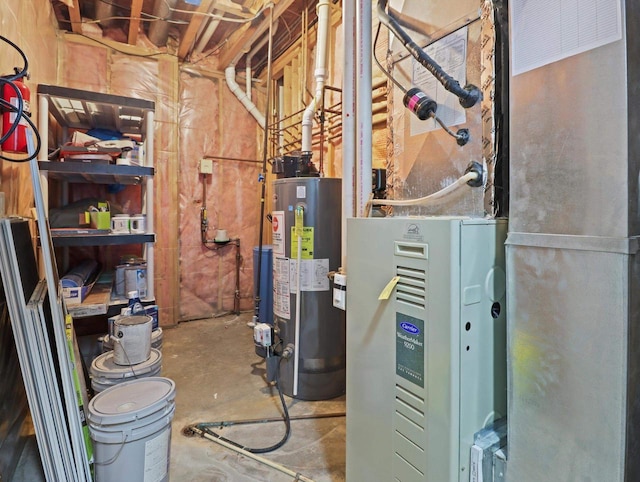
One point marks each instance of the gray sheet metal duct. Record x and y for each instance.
(573, 267)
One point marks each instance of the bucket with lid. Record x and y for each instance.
(131, 339)
(130, 425)
(105, 373)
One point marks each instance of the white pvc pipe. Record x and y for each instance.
(296, 359)
(230, 77)
(431, 199)
(249, 58)
(320, 73)
(363, 103)
(348, 120)
(257, 458)
(149, 248)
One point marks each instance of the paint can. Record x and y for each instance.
(137, 224)
(105, 373)
(156, 341)
(131, 339)
(120, 223)
(130, 426)
(135, 279)
(119, 272)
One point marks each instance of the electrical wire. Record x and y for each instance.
(384, 71)
(156, 54)
(122, 17)
(220, 17)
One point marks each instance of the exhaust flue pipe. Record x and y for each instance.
(323, 11)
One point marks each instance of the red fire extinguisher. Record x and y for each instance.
(17, 141)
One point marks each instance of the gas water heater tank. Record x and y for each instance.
(321, 345)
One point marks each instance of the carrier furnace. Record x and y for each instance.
(426, 367)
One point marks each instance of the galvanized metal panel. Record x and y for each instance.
(567, 343)
(569, 160)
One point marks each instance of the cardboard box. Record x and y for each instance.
(75, 296)
(100, 220)
(95, 303)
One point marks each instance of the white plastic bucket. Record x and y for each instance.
(132, 339)
(130, 425)
(106, 374)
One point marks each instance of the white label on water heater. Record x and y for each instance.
(156, 457)
(313, 275)
(281, 292)
(301, 192)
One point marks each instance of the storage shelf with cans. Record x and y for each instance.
(61, 111)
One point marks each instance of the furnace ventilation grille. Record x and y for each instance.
(412, 287)
(409, 439)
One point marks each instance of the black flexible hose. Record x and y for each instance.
(468, 96)
(287, 422)
(20, 73)
(19, 109)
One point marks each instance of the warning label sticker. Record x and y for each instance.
(278, 234)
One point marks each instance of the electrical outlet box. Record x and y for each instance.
(206, 166)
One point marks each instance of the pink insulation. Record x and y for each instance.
(100, 69)
(213, 123)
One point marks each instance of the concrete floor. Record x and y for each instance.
(219, 377)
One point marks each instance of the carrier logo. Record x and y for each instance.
(410, 328)
(413, 229)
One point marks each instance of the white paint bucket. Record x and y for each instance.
(135, 279)
(156, 341)
(130, 425)
(106, 374)
(132, 339)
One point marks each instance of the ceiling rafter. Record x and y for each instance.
(186, 42)
(134, 23)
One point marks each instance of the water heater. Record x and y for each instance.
(306, 233)
(426, 344)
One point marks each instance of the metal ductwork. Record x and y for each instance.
(159, 31)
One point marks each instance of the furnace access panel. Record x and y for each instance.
(426, 367)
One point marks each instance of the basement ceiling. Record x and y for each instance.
(191, 29)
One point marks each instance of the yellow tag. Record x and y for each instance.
(299, 220)
(386, 292)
